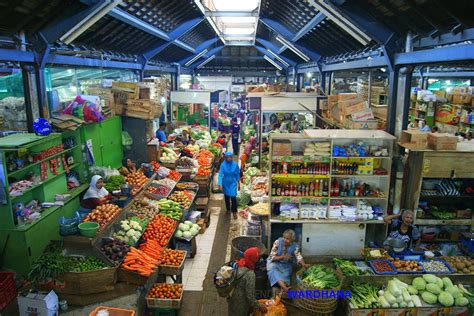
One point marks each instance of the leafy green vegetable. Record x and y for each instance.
(364, 295)
(320, 277)
(446, 299)
(114, 183)
(347, 267)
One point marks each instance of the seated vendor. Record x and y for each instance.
(96, 194)
(285, 252)
(185, 138)
(402, 228)
(160, 133)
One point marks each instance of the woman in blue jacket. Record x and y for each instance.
(229, 176)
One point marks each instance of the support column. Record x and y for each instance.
(31, 98)
(41, 92)
(392, 100)
(322, 84)
(369, 94)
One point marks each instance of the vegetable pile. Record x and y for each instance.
(152, 248)
(364, 295)
(398, 294)
(187, 230)
(138, 261)
(102, 215)
(183, 198)
(381, 266)
(137, 179)
(113, 183)
(86, 264)
(160, 228)
(170, 209)
(174, 175)
(186, 163)
(203, 172)
(143, 209)
(187, 186)
(434, 289)
(165, 290)
(347, 267)
(320, 277)
(168, 155)
(161, 190)
(460, 264)
(435, 266)
(406, 265)
(375, 253)
(115, 250)
(171, 257)
(130, 232)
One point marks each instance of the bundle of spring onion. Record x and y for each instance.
(320, 277)
(347, 267)
(364, 295)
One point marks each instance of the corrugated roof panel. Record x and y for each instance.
(294, 15)
(172, 53)
(113, 35)
(163, 14)
(198, 34)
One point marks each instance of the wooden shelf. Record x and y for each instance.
(434, 222)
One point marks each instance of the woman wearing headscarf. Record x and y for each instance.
(285, 252)
(242, 301)
(96, 194)
(229, 176)
(402, 228)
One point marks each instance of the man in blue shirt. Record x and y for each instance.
(160, 134)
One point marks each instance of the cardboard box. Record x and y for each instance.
(364, 115)
(324, 105)
(352, 106)
(38, 304)
(380, 111)
(347, 96)
(370, 124)
(414, 139)
(281, 148)
(461, 90)
(442, 141)
(462, 98)
(332, 100)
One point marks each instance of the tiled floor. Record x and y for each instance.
(195, 269)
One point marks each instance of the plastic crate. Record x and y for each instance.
(113, 311)
(371, 262)
(450, 270)
(163, 302)
(412, 272)
(7, 289)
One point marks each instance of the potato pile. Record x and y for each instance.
(405, 265)
(143, 209)
(102, 214)
(460, 264)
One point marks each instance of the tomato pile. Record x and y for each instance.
(166, 290)
(155, 165)
(160, 228)
(137, 178)
(171, 257)
(174, 175)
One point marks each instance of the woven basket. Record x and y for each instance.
(318, 306)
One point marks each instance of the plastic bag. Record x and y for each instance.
(274, 307)
(69, 226)
(84, 110)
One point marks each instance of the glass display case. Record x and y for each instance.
(12, 103)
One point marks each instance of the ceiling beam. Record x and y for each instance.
(445, 39)
(209, 54)
(274, 48)
(204, 45)
(138, 23)
(462, 52)
(210, 20)
(174, 38)
(374, 62)
(239, 58)
(239, 14)
(265, 52)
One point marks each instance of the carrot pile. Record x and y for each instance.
(152, 248)
(138, 261)
(205, 154)
(160, 228)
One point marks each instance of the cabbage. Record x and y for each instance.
(447, 282)
(183, 227)
(196, 226)
(439, 283)
(419, 284)
(433, 288)
(462, 301)
(187, 234)
(430, 278)
(179, 234)
(189, 223)
(446, 299)
(194, 231)
(429, 297)
(412, 290)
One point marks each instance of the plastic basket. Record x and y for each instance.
(371, 262)
(7, 288)
(164, 302)
(113, 311)
(412, 272)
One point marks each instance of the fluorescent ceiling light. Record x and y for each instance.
(206, 61)
(240, 5)
(238, 20)
(294, 49)
(195, 58)
(238, 31)
(278, 58)
(271, 61)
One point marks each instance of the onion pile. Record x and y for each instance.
(102, 214)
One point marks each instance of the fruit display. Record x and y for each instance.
(406, 265)
(166, 291)
(143, 209)
(102, 215)
(138, 261)
(115, 250)
(86, 264)
(160, 228)
(113, 183)
(170, 209)
(171, 257)
(130, 232)
(460, 264)
(137, 179)
(183, 198)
